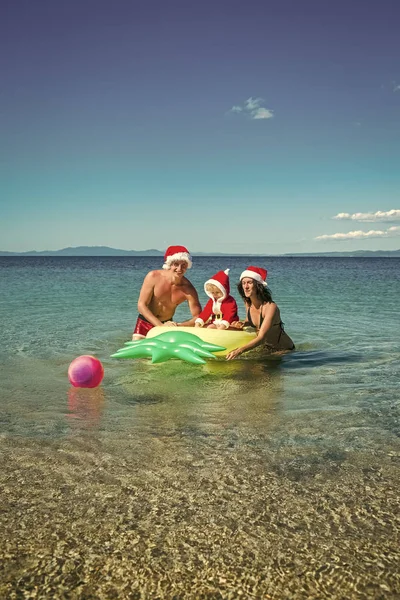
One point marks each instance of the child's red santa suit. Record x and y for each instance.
(222, 311)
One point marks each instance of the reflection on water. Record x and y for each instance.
(180, 397)
(86, 405)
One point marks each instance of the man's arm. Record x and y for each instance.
(146, 296)
(194, 307)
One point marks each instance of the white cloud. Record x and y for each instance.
(253, 103)
(396, 87)
(262, 113)
(252, 107)
(357, 235)
(381, 216)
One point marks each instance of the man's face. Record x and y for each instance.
(179, 267)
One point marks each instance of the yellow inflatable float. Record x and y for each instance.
(228, 338)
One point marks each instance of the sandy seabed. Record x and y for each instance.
(206, 517)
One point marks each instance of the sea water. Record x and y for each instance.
(272, 478)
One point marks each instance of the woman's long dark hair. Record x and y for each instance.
(263, 294)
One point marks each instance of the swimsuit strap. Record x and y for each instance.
(249, 319)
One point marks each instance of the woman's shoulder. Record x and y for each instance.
(272, 303)
(269, 308)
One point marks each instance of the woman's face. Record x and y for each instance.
(248, 286)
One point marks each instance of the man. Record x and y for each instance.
(163, 290)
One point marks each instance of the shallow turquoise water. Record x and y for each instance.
(325, 417)
(342, 313)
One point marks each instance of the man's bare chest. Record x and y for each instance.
(166, 293)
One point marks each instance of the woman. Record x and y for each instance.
(262, 314)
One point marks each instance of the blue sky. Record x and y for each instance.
(222, 126)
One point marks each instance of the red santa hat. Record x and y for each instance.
(256, 273)
(175, 253)
(221, 281)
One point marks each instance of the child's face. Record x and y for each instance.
(214, 291)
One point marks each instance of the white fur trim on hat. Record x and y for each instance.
(253, 275)
(178, 256)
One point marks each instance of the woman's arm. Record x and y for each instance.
(268, 312)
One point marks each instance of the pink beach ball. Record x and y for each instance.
(86, 372)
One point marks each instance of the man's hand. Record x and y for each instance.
(170, 324)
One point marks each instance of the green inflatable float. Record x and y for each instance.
(163, 343)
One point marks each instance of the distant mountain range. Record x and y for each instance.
(86, 251)
(106, 251)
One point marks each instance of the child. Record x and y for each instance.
(221, 310)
